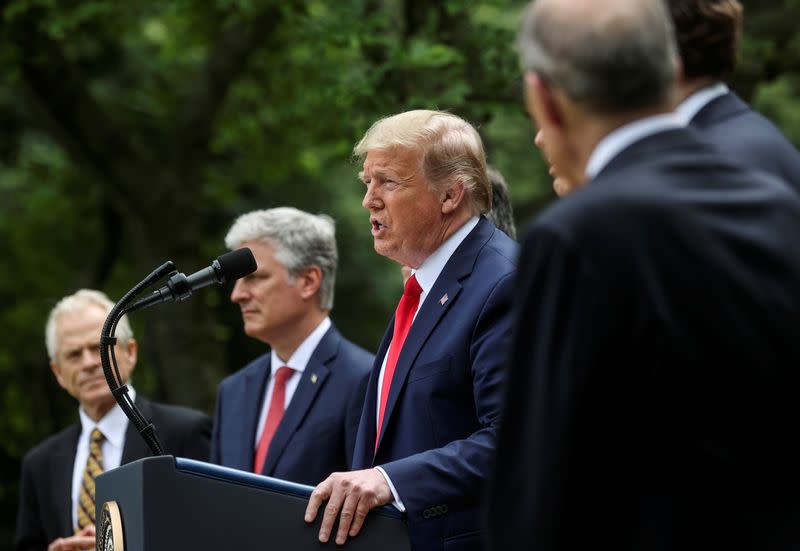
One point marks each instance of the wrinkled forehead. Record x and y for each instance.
(80, 327)
(394, 164)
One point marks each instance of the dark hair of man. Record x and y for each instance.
(502, 213)
(708, 34)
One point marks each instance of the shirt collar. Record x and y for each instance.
(113, 424)
(428, 272)
(692, 105)
(303, 353)
(618, 140)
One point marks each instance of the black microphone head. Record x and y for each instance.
(236, 264)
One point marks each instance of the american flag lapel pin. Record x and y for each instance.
(443, 299)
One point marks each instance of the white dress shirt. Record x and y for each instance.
(692, 105)
(427, 274)
(298, 363)
(113, 426)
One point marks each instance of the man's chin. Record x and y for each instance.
(98, 399)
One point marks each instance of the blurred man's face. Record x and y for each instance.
(561, 185)
(406, 216)
(270, 299)
(77, 364)
(547, 114)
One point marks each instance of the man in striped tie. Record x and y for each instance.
(57, 507)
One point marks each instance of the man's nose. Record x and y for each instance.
(371, 199)
(90, 356)
(238, 293)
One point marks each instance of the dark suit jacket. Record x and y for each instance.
(317, 432)
(441, 416)
(731, 125)
(653, 395)
(45, 510)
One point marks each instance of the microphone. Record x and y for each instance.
(228, 267)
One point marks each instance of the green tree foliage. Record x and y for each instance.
(135, 132)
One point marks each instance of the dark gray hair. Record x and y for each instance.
(502, 213)
(618, 59)
(300, 239)
(80, 300)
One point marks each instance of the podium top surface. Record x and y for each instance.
(226, 474)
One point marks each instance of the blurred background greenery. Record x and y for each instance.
(135, 132)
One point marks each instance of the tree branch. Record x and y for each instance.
(60, 96)
(225, 63)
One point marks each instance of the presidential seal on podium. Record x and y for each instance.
(109, 530)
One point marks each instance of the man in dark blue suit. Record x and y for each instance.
(427, 435)
(652, 393)
(293, 412)
(708, 33)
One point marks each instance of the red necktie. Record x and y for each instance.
(403, 317)
(274, 416)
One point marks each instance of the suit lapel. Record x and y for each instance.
(433, 309)
(248, 412)
(365, 443)
(311, 382)
(62, 465)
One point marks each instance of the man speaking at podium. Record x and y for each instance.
(292, 413)
(56, 510)
(427, 434)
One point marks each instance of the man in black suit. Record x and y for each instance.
(708, 33)
(652, 398)
(51, 513)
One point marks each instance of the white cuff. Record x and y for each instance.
(398, 503)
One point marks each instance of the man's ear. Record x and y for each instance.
(453, 197)
(309, 281)
(131, 350)
(541, 102)
(57, 372)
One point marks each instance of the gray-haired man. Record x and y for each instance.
(293, 412)
(651, 400)
(56, 510)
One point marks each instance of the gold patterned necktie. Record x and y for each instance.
(94, 466)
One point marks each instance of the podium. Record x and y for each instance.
(166, 503)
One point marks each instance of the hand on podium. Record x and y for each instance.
(354, 493)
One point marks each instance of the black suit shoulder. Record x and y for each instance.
(673, 180)
(42, 451)
(183, 431)
(680, 170)
(750, 138)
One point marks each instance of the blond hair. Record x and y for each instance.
(450, 149)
